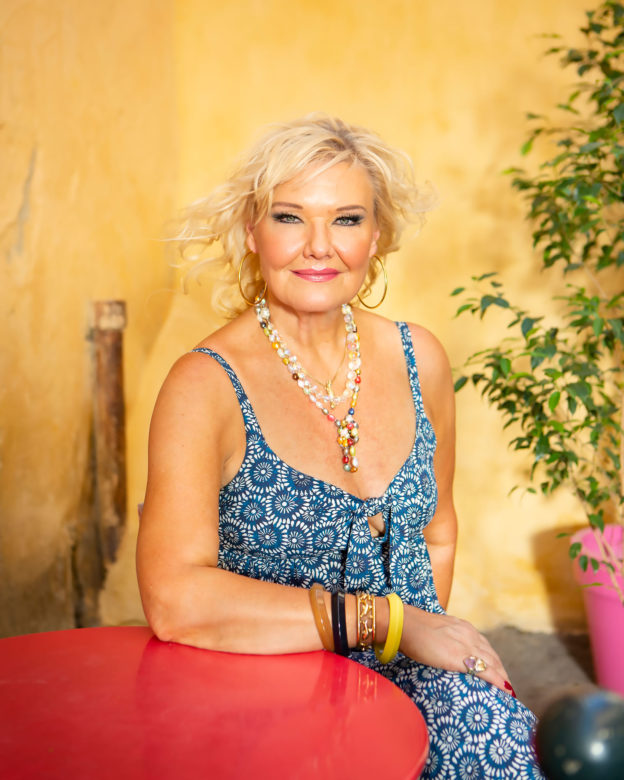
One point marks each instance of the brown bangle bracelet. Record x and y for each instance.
(321, 618)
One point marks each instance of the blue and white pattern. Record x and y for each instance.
(280, 525)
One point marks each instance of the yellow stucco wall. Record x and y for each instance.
(88, 172)
(135, 109)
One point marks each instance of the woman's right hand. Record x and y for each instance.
(444, 641)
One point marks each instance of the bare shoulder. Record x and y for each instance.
(431, 358)
(436, 379)
(197, 403)
(194, 381)
(198, 378)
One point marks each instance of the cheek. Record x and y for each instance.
(277, 247)
(356, 251)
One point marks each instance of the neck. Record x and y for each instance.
(318, 338)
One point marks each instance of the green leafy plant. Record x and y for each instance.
(557, 377)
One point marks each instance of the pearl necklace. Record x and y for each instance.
(347, 427)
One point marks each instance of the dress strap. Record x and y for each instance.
(412, 370)
(249, 416)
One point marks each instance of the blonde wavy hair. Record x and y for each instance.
(284, 151)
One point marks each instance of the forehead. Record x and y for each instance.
(344, 180)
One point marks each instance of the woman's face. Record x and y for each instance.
(316, 241)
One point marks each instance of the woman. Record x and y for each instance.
(311, 442)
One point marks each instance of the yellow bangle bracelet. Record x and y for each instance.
(395, 630)
(321, 618)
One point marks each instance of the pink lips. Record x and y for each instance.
(316, 274)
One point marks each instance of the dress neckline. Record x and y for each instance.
(408, 351)
(318, 480)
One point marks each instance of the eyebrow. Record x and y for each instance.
(284, 204)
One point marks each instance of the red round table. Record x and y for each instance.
(118, 703)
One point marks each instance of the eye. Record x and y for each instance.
(286, 217)
(350, 219)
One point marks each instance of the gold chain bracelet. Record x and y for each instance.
(365, 620)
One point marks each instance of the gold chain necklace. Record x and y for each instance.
(328, 397)
(347, 428)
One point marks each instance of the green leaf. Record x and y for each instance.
(580, 390)
(527, 325)
(458, 290)
(618, 113)
(618, 329)
(528, 144)
(591, 147)
(554, 400)
(597, 521)
(583, 561)
(493, 300)
(460, 383)
(574, 549)
(574, 55)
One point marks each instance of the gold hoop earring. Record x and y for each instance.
(385, 276)
(240, 286)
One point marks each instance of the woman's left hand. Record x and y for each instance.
(446, 642)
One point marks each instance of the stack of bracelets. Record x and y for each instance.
(334, 635)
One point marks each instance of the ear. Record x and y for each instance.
(250, 240)
(373, 249)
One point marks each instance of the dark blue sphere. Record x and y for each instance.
(582, 737)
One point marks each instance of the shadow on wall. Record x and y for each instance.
(563, 595)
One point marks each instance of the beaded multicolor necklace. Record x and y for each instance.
(347, 427)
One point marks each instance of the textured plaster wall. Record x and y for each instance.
(122, 139)
(88, 169)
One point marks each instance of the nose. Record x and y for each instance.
(318, 241)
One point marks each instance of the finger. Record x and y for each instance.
(494, 672)
(491, 658)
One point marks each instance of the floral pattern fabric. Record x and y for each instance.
(281, 525)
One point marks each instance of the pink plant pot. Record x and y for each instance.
(604, 610)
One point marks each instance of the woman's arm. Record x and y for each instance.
(439, 399)
(194, 434)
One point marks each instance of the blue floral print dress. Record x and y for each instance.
(281, 525)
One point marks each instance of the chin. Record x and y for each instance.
(314, 298)
(316, 302)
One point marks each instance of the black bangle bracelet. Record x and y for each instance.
(339, 623)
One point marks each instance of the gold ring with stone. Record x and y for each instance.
(474, 664)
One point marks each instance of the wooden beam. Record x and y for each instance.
(109, 321)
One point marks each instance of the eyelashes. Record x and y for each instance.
(284, 216)
(350, 219)
(344, 220)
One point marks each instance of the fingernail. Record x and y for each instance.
(510, 689)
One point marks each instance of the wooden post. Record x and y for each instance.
(109, 322)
